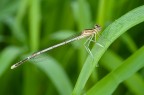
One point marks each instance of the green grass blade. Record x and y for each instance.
(7, 56)
(101, 12)
(22, 10)
(8, 10)
(129, 42)
(17, 31)
(113, 63)
(34, 20)
(31, 81)
(84, 14)
(111, 33)
(18, 28)
(135, 83)
(81, 11)
(108, 84)
(56, 73)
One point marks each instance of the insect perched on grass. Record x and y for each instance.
(86, 33)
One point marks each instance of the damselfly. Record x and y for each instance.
(86, 33)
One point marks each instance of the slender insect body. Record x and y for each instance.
(85, 33)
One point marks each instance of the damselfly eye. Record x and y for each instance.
(97, 27)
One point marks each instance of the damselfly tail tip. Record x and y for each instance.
(13, 66)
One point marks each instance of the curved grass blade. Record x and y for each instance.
(7, 56)
(111, 33)
(56, 73)
(109, 83)
(135, 83)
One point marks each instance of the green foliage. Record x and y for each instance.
(28, 26)
(107, 37)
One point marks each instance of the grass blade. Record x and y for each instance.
(34, 20)
(112, 80)
(135, 83)
(7, 57)
(111, 33)
(56, 74)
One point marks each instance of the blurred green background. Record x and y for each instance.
(27, 26)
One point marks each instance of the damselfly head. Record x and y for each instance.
(97, 27)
